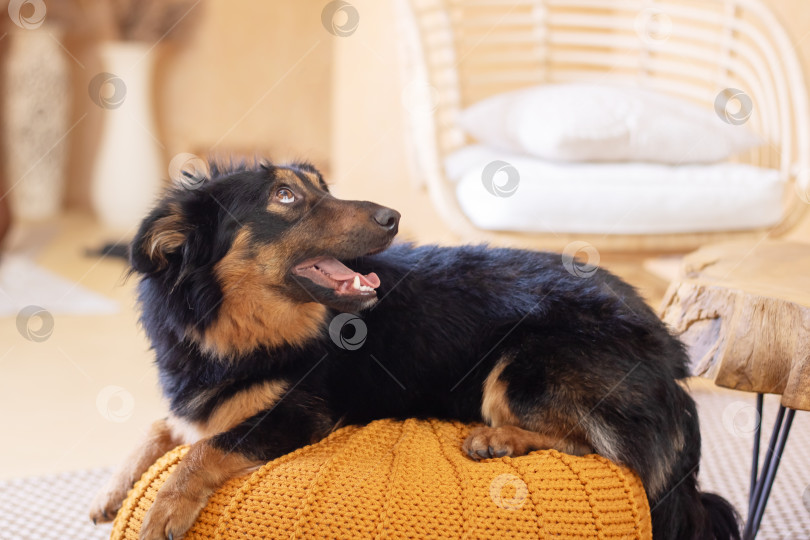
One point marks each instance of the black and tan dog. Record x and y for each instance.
(242, 277)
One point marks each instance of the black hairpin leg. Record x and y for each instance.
(755, 463)
(763, 484)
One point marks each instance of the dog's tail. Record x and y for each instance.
(681, 511)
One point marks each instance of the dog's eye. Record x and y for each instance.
(285, 195)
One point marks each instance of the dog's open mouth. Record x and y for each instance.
(331, 273)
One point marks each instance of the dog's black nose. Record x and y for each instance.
(387, 218)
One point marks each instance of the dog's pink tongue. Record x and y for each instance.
(340, 272)
(370, 280)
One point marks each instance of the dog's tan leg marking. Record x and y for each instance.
(487, 442)
(179, 501)
(157, 442)
(228, 413)
(241, 406)
(505, 435)
(495, 405)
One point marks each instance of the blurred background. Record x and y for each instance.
(105, 102)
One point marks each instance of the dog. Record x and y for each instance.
(250, 276)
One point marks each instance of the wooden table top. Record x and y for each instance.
(743, 310)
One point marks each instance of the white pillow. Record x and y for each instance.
(593, 122)
(620, 198)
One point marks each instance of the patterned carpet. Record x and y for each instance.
(51, 507)
(55, 507)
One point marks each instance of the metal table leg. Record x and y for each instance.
(761, 486)
(755, 463)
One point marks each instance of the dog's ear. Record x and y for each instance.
(160, 238)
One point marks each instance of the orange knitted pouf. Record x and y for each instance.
(410, 480)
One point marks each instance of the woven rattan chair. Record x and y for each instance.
(463, 51)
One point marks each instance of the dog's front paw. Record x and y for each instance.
(494, 442)
(108, 502)
(171, 515)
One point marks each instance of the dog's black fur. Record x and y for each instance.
(583, 359)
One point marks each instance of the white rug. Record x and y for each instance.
(23, 283)
(52, 507)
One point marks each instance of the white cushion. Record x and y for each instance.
(621, 198)
(459, 162)
(597, 122)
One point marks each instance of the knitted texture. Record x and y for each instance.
(410, 479)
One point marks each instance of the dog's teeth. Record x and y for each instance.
(356, 283)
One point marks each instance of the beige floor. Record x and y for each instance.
(52, 394)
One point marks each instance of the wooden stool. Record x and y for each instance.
(743, 310)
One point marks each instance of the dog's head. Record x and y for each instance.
(247, 236)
